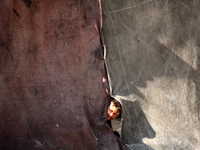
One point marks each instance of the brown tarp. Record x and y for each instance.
(52, 76)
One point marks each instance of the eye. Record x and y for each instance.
(110, 110)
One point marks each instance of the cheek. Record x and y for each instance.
(108, 112)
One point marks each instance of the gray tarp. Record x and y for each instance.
(153, 64)
(52, 91)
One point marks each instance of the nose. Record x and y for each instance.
(111, 114)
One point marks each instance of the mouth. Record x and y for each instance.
(108, 118)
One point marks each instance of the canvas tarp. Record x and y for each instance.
(153, 65)
(52, 76)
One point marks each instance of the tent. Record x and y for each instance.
(60, 60)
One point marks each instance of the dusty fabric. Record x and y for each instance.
(52, 76)
(153, 66)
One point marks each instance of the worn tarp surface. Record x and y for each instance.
(153, 66)
(52, 76)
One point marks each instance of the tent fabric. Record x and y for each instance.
(52, 76)
(153, 66)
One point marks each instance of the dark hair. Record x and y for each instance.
(117, 104)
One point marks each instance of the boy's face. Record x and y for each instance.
(112, 112)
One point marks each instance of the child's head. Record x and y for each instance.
(114, 109)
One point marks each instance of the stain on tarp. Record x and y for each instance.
(97, 54)
(2, 43)
(16, 13)
(1, 52)
(34, 49)
(81, 3)
(5, 138)
(27, 2)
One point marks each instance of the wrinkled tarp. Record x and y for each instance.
(52, 94)
(153, 65)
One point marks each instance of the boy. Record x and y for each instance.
(114, 110)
